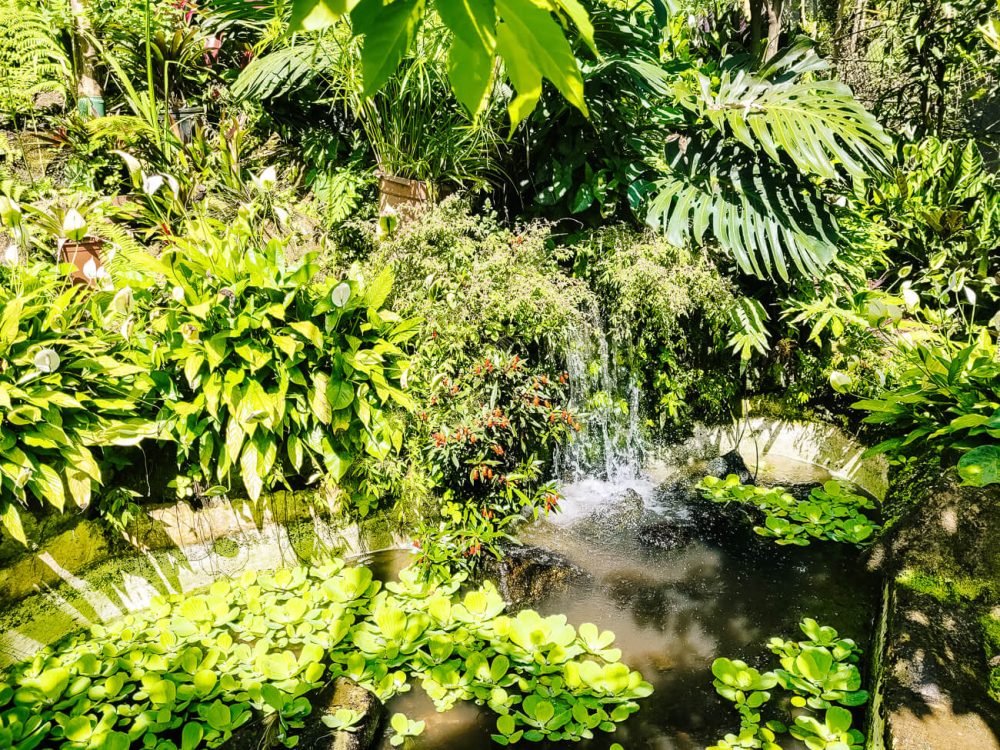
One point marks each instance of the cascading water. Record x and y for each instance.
(611, 445)
(606, 457)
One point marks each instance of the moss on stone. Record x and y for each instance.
(991, 634)
(944, 588)
(225, 548)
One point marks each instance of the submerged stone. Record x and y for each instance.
(666, 535)
(342, 692)
(526, 575)
(729, 463)
(619, 513)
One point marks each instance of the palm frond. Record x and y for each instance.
(283, 71)
(758, 213)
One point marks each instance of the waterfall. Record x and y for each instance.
(610, 447)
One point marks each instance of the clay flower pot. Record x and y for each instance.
(85, 255)
(397, 192)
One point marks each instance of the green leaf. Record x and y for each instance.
(533, 47)
(250, 471)
(981, 466)
(389, 30)
(191, 736)
(309, 330)
(319, 398)
(316, 15)
(471, 58)
(340, 394)
(10, 517)
(818, 124)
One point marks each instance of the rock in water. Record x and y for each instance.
(525, 575)
(619, 514)
(729, 463)
(341, 693)
(346, 694)
(666, 535)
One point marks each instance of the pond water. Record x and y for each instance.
(673, 610)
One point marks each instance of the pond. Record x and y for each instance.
(675, 606)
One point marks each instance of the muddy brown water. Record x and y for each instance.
(673, 612)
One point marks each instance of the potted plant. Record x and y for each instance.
(69, 225)
(181, 71)
(424, 143)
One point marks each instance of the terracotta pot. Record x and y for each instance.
(85, 255)
(398, 192)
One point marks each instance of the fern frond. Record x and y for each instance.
(124, 253)
(31, 59)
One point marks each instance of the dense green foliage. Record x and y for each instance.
(193, 668)
(65, 391)
(260, 368)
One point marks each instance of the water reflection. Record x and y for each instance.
(673, 612)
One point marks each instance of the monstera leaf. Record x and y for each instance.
(767, 217)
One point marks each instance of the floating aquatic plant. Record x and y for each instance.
(193, 668)
(830, 513)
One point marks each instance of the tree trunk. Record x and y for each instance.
(765, 27)
(90, 97)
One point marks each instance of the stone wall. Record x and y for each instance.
(82, 571)
(943, 564)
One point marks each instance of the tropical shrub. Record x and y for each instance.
(491, 430)
(819, 672)
(940, 212)
(482, 292)
(947, 402)
(65, 392)
(669, 314)
(493, 418)
(264, 371)
(831, 512)
(194, 667)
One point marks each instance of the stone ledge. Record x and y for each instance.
(944, 564)
(764, 442)
(89, 573)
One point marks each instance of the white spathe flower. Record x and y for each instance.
(152, 183)
(266, 179)
(341, 293)
(47, 361)
(178, 293)
(91, 269)
(11, 256)
(122, 302)
(74, 226)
